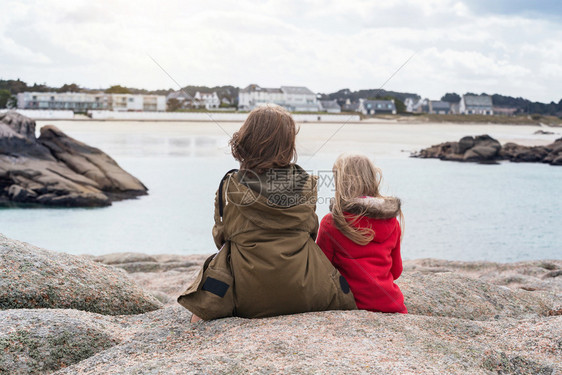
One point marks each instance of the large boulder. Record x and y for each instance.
(31, 277)
(57, 170)
(484, 149)
(450, 295)
(17, 137)
(44, 340)
(465, 143)
(89, 162)
(536, 276)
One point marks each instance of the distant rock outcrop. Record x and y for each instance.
(485, 149)
(57, 170)
(31, 277)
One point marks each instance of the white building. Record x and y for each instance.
(124, 102)
(207, 100)
(294, 98)
(136, 103)
(75, 101)
(300, 99)
(372, 107)
(476, 105)
(82, 102)
(255, 96)
(153, 103)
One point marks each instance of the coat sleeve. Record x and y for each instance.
(218, 228)
(325, 239)
(396, 268)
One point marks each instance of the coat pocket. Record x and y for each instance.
(344, 299)
(211, 295)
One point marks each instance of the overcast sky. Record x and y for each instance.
(513, 47)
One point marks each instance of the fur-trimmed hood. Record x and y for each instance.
(373, 207)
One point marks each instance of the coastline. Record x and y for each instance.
(366, 121)
(300, 117)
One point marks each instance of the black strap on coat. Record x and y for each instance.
(221, 203)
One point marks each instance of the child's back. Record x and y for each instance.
(370, 269)
(277, 267)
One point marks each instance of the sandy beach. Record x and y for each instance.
(378, 137)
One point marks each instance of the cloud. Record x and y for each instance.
(326, 45)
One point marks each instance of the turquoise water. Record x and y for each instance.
(505, 212)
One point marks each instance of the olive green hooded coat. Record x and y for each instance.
(269, 263)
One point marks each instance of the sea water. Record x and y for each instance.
(458, 211)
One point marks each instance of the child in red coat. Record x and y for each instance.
(361, 235)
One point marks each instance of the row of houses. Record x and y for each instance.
(294, 98)
(82, 102)
(469, 105)
(302, 99)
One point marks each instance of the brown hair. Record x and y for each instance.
(265, 140)
(355, 176)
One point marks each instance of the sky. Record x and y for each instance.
(509, 47)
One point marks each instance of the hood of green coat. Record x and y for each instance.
(279, 199)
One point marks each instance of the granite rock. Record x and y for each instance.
(57, 170)
(31, 277)
(465, 318)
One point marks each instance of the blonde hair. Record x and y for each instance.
(355, 176)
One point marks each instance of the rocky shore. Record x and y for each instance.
(57, 170)
(117, 313)
(485, 149)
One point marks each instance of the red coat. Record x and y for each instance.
(371, 269)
